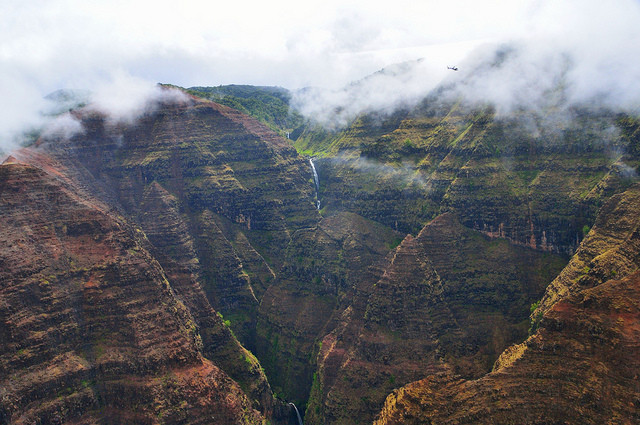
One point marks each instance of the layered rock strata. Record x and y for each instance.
(450, 299)
(580, 367)
(91, 327)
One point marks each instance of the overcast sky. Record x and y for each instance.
(50, 44)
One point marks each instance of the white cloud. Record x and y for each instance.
(560, 53)
(62, 126)
(50, 44)
(125, 98)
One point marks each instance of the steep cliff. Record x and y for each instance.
(189, 239)
(91, 327)
(394, 339)
(325, 266)
(610, 250)
(215, 196)
(579, 367)
(536, 178)
(217, 193)
(450, 299)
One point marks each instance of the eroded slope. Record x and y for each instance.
(581, 365)
(91, 327)
(449, 299)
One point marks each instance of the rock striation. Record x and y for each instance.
(217, 193)
(610, 250)
(535, 178)
(184, 180)
(450, 299)
(144, 261)
(581, 366)
(323, 269)
(91, 327)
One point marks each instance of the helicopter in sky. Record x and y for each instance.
(455, 68)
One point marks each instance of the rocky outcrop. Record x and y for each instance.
(579, 367)
(143, 248)
(534, 179)
(189, 274)
(489, 285)
(208, 156)
(397, 337)
(159, 172)
(91, 327)
(323, 269)
(610, 250)
(450, 299)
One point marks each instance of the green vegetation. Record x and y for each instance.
(534, 307)
(517, 204)
(535, 321)
(394, 243)
(270, 105)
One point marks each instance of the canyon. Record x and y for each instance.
(439, 264)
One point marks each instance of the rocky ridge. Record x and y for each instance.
(450, 299)
(324, 267)
(156, 175)
(339, 308)
(534, 178)
(91, 325)
(579, 367)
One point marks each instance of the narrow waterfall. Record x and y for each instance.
(297, 413)
(316, 181)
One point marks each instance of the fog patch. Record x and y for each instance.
(125, 98)
(398, 86)
(121, 101)
(22, 116)
(63, 126)
(401, 174)
(566, 55)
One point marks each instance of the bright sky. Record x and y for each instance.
(284, 42)
(50, 44)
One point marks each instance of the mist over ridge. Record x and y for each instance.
(582, 52)
(537, 77)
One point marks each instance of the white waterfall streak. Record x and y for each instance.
(316, 181)
(297, 413)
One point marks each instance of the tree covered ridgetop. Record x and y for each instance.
(268, 104)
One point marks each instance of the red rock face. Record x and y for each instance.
(581, 367)
(322, 269)
(91, 327)
(215, 196)
(217, 193)
(120, 246)
(610, 250)
(450, 299)
(395, 339)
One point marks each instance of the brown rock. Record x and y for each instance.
(91, 327)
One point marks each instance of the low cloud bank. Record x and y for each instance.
(571, 52)
(125, 99)
(121, 100)
(394, 87)
(574, 53)
(404, 175)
